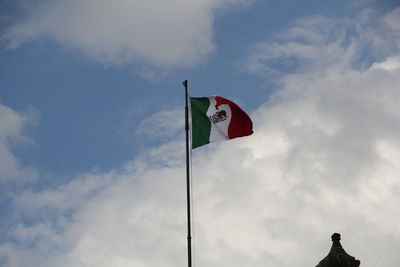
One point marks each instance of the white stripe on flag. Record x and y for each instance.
(219, 130)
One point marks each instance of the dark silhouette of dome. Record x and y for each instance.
(337, 257)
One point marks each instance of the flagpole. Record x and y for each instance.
(189, 237)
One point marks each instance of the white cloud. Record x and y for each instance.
(164, 123)
(326, 44)
(159, 33)
(323, 159)
(390, 64)
(393, 19)
(315, 42)
(12, 124)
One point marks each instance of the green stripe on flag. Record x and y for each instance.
(201, 125)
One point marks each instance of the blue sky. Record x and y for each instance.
(91, 142)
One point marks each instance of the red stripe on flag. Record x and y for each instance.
(241, 124)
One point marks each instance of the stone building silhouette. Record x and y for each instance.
(337, 256)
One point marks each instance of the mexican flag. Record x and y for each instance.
(216, 119)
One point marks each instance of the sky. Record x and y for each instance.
(92, 146)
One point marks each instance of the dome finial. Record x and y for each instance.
(335, 237)
(337, 256)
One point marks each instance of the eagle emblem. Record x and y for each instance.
(219, 116)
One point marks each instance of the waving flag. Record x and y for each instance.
(217, 119)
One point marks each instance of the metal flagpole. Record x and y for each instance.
(189, 237)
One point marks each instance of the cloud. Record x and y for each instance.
(165, 123)
(313, 42)
(326, 44)
(11, 132)
(156, 33)
(393, 19)
(323, 159)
